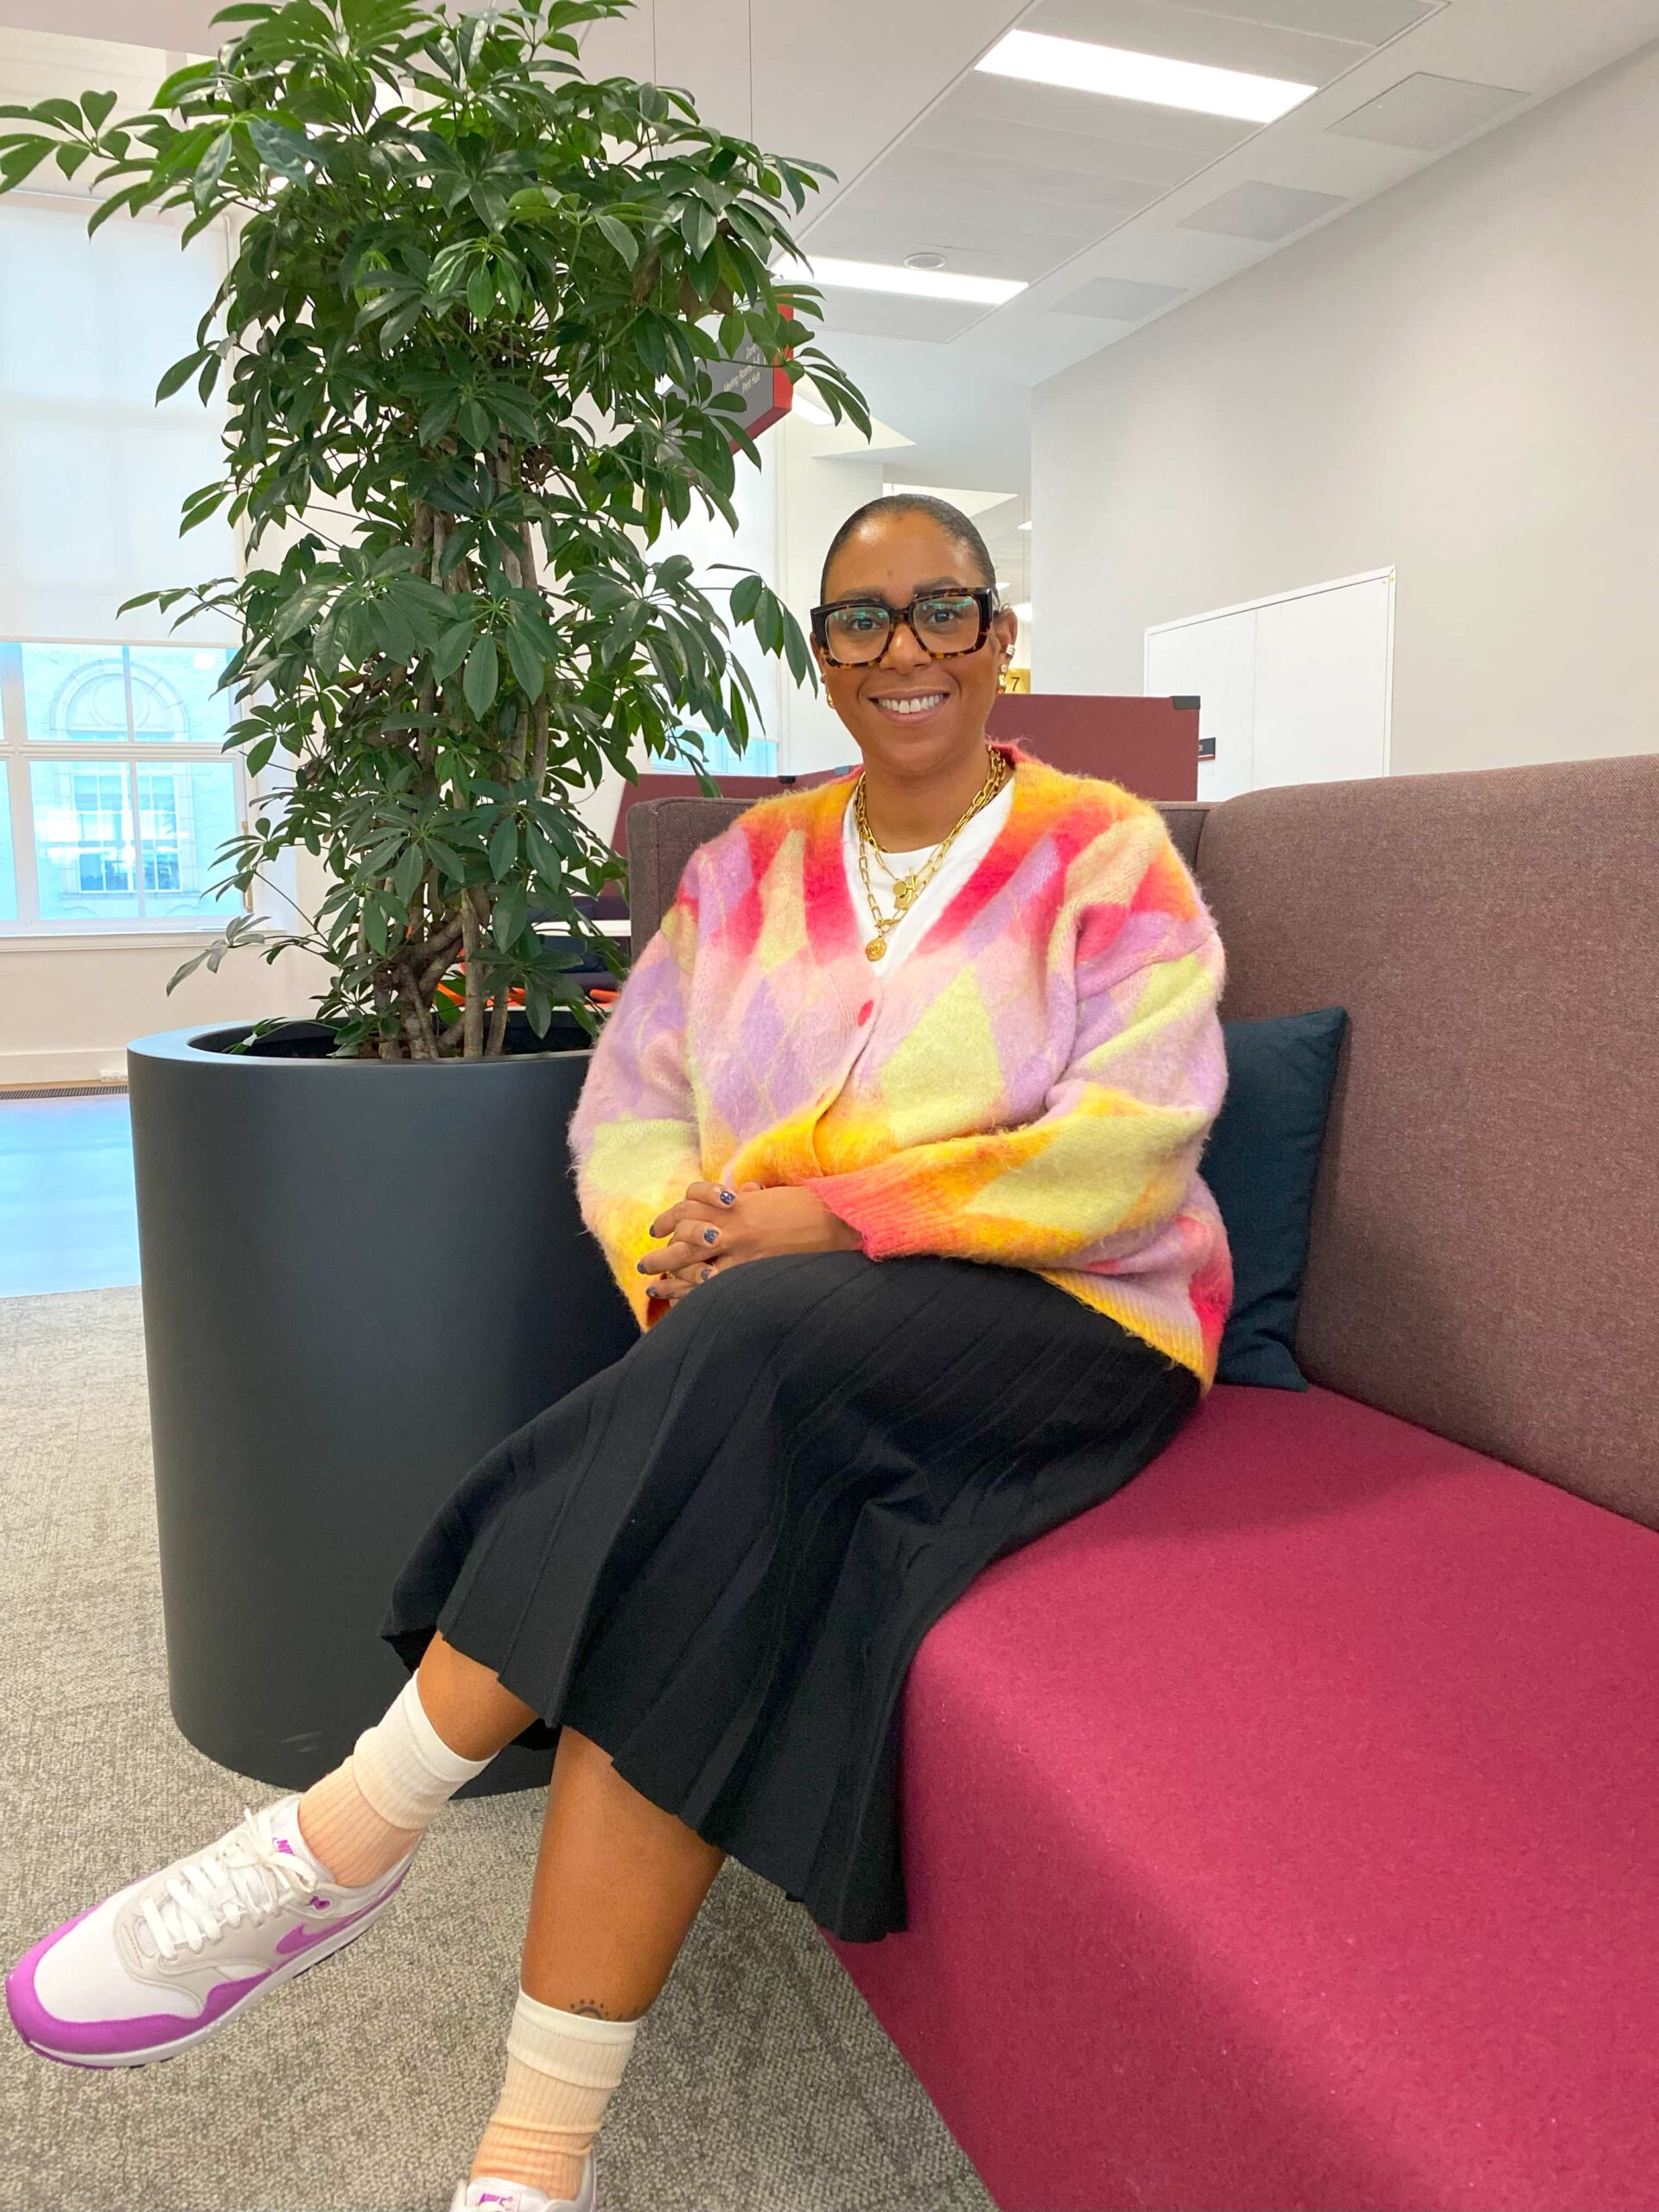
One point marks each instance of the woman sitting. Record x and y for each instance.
(891, 1142)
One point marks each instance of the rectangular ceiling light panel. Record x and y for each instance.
(914, 284)
(1075, 65)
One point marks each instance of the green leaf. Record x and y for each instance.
(451, 649)
(525, 661)
(447, 857)
(699, 229)
(481, 294)
(406, 876)
(280, 149)
(504, 848)
(20, 160)
(97, 107)
(746, 597)
(212, 166)
(511, 917)
(482, 677)
(620, 236)
(181, 373)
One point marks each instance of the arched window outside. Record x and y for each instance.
(104, 817)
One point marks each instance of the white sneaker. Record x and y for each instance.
(487, 2195)
(166, 1962)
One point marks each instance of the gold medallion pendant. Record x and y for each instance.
(876, 948)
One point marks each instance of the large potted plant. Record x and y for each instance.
(469, 341)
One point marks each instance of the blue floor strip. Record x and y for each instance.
(68, 1216)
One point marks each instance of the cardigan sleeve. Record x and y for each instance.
(1109, 1162)
(634, 1134)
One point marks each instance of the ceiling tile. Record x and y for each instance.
(885, 314)
(1269, 212)
(996, 100)
(983, 238)
(1370, 22)
(1427, 112)
(1220, 40)
(957, 130)
(1120, 299)
(1027, 183)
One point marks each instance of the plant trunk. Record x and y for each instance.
(471, 1017)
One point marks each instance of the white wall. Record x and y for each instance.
(91, 479)
(1456, 381)
(823, 473)
(71, 1004)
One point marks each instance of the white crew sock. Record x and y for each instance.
(562, 2068)
(359, 1820)
(403, 1767)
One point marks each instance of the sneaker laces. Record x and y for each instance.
(244, 1876)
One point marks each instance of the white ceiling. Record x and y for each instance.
(1114, 212)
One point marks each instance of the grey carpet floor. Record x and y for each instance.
(760, 2083)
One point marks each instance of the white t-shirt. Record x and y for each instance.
(963, 857)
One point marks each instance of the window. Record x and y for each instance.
(721, 758)
(110, 816)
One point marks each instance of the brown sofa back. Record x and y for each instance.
(1484, 1256)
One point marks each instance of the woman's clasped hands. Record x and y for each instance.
(715, 1226)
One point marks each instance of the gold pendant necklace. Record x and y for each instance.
(908, 889)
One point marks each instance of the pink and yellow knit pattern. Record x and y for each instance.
(1032, 1086)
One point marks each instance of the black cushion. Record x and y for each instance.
(1260, 1163)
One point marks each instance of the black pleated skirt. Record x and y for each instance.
(717, 1558)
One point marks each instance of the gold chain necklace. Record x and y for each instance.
(908, 889)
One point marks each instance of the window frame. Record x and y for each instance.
(18, 750)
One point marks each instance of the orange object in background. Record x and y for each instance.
(600, 994)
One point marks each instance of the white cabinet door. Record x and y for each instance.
(1322, 686)
(1293, 691)
(1214, 661)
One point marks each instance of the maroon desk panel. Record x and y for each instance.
(1149, 746)
(668, 786)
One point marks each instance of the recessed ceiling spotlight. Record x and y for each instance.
(1080, 66)
(881, 276)
(929, 260)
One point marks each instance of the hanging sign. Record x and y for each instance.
(762, 384)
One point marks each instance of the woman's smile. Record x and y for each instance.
(900, 705)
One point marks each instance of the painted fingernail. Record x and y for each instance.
(704, 1276)
(728, 1198)
(654, 1291)
(640, 1265)
(711, 1236)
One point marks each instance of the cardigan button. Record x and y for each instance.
(866, 1011)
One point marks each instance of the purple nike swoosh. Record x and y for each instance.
(305, 1939)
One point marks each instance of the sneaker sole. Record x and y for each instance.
(176, 2046)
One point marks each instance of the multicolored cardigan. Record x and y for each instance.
(1032, 1086)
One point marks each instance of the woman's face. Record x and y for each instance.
(910, 715)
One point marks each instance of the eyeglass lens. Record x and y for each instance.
(947, 622)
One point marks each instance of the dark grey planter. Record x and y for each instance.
(357, 1276)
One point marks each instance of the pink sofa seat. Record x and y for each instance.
(1285, 1833)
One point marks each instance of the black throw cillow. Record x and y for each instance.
(1261, 1162)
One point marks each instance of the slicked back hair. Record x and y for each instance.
(952, 520)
